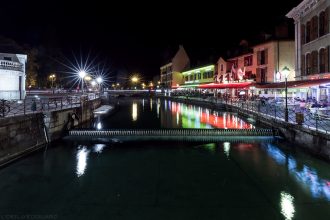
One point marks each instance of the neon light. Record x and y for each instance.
(205, 68)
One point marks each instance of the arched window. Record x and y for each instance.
(315, 62)
(308, 32)
(308, 64)
(303, 68)
(315, 28)
(322, 58)
(322, 24)
(302, 34)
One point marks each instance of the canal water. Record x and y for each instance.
(258, 179)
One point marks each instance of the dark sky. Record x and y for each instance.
(135, 35)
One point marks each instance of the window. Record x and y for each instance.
(322, 23)
(315, 27)
(308, 32)
(322, 57)
(248, 75)
(314, 62)
(302, 34)
(199, 75)
(221, 67)
(204, 75)
(308, 64)
(186, 78)
(302, 65)
(7, 58)
(248, 60)
(262, 57)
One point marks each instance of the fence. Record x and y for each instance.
(38, 104)
(312, 120)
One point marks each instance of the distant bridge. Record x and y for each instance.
(174, 134)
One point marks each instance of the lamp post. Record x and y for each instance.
(82, 75)
(99, 80)
(52, 79)
(134, 80)
(286, 71)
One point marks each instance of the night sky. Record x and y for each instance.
(135, 36)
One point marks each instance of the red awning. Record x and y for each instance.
(310, 83)
(294, 84)
(225, 85)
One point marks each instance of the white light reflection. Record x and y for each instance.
(99, 126)
(287, 207)
(177, 118)
(134, 111)
(151, 104)
(82, 155)
(226, 148)
(143, 105)
(98, 148)
(158, 107)
(306, 176)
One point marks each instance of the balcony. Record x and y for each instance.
(10, 65)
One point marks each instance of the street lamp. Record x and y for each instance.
(82, 75)
(99, 80)
(134, 80)
(52, 78)
(286, 72)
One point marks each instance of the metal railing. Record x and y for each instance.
(297, 116)
(37, 104)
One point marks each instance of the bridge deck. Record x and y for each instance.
(173, 132)
(190, 135)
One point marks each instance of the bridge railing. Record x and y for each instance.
(38, 104)
(311, 119)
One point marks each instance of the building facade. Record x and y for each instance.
(270, 58)
(12, 76)
(262, 65)
(312, 46)
(170, 73)
(199, 75)
(312, 24)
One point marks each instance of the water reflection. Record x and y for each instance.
(287, 207)
(189, 116)
(305, 175)
(226, 149)
(98, 148)
(99, 126)
(82, 156)
(134, 111)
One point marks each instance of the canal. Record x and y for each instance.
(259, 179)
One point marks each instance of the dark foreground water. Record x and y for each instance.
(167, 180)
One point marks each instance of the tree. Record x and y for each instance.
(32, 67)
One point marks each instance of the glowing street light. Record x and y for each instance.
(52, 78)
(82, 75)
(134, 79)
(93, 83)
(99, 80)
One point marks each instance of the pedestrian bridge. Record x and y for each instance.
(174, 134)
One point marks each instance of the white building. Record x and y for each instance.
(12, 76)
(312, 45)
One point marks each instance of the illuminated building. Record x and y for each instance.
(312, 45)
(12, 76)
(170, 73)
(199, 75)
